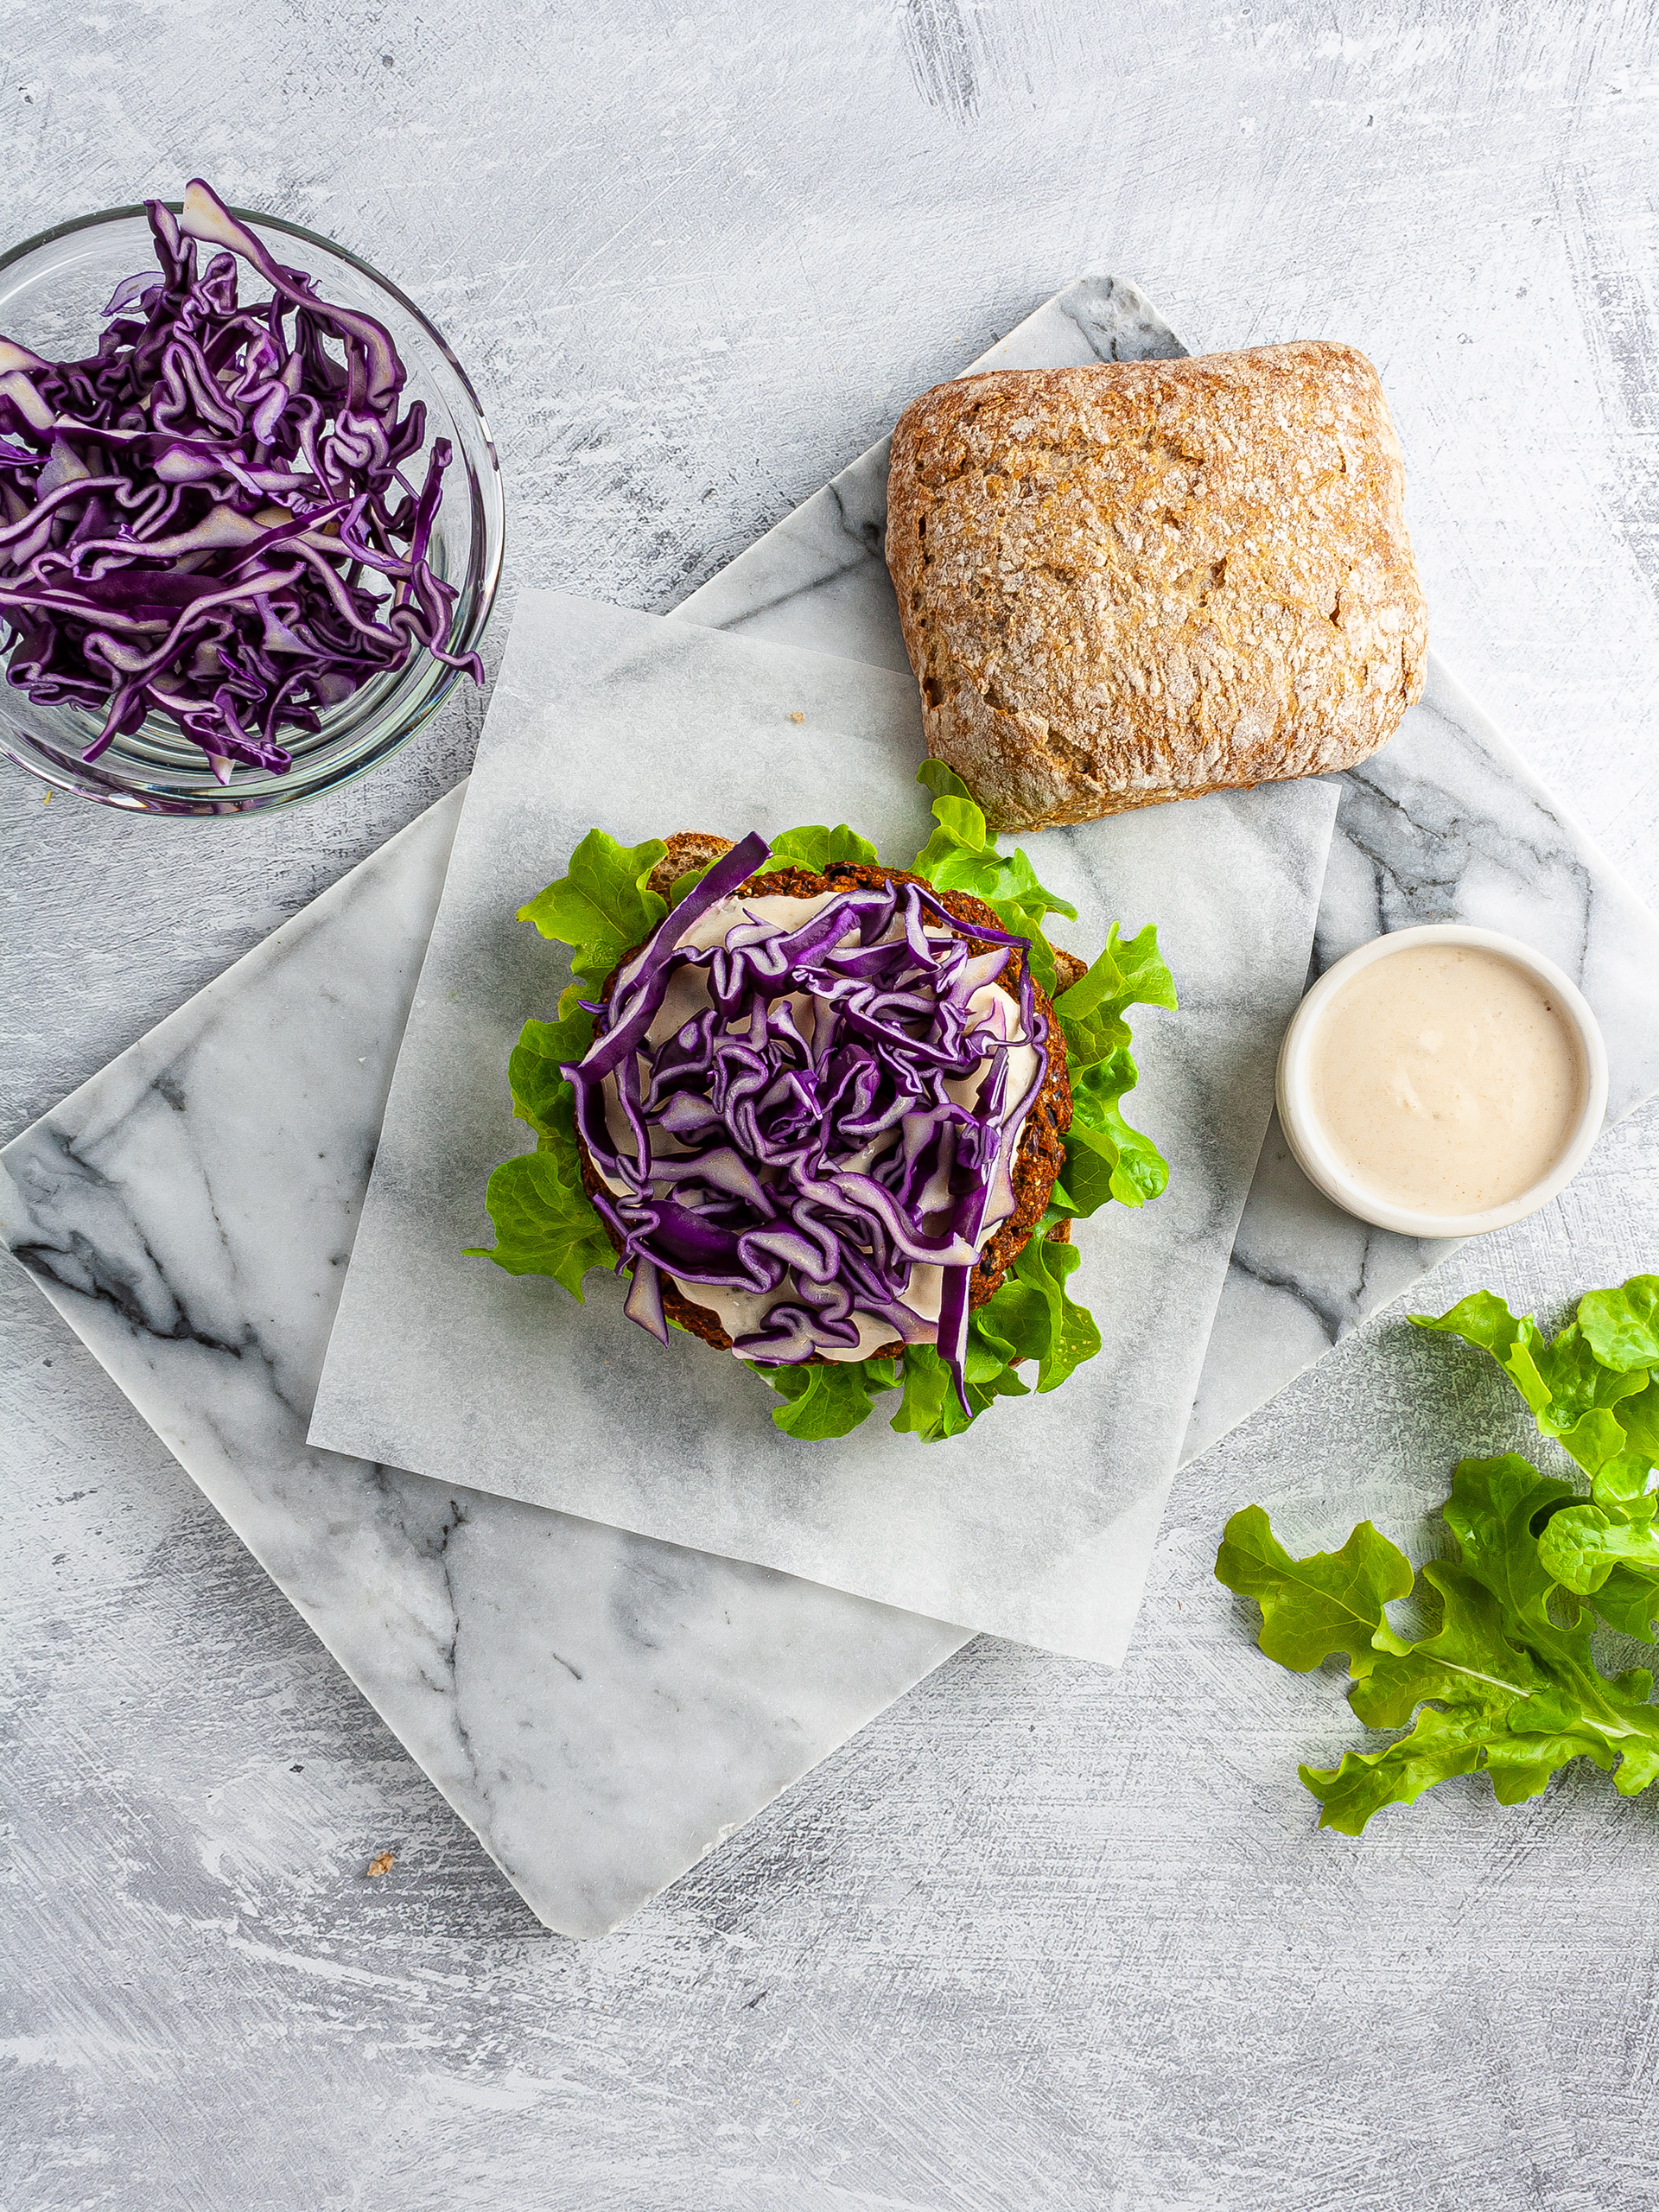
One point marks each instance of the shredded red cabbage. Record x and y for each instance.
(203, 518)
(824, 1165)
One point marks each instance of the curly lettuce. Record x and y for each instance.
(1504, 1681)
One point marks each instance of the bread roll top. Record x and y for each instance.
(1143, 581)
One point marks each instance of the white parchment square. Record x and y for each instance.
(1038, 1524)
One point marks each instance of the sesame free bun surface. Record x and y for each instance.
(1042, 1151)
(1143, 581)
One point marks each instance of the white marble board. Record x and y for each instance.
(599, 1708)
(689, 1691)
(1038, 1524)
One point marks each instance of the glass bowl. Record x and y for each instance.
(53, 288)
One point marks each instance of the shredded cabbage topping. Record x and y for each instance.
(799, 1136)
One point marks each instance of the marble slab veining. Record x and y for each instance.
(1038, 1524)
(637, 1801)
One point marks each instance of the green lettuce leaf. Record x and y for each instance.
(688, 881)
(962, 856)
(1582, 1546)
(601, 909)
(931, 1409)
(1630, 1602)
(1497, 1686)
(1573, 1397)
(1105, 1158)
(1495, 1508)
(1126, 973)
(828, 1401)
(1622, 1326)
(1314, 1607)
(544, 1222)
(1589, 1389)
(814, 847)
(1504, 1682)
(1031, 1316)
(540, 1094)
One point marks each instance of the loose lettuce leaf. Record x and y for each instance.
(1571, 1394)
(1630, 1602)
(829, 1401)
(1504, 1682)
(1495, 1686)
(1638, 1416)
(1313, 1607)
(1496, 1506)
(601, 909)
(1622, 1326)
(1581, 1546)
(1588, 1389)
(1518, 1694)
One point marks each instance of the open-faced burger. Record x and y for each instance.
(821, 1115)
(830, 1115)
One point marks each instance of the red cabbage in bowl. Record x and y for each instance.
(210, 518)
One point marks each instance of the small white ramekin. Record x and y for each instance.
(1312, 1148)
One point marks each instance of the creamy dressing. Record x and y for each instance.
(1445, 1078)
(991, 1011)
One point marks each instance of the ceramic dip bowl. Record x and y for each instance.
(1456, 1080)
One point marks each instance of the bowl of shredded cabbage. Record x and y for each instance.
(251, 514)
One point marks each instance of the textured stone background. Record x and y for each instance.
(1042, 1936)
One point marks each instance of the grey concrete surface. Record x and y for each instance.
(1041, 1937)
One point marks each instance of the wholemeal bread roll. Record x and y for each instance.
(1148, 580)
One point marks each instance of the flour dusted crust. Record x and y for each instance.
(1148, 580)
